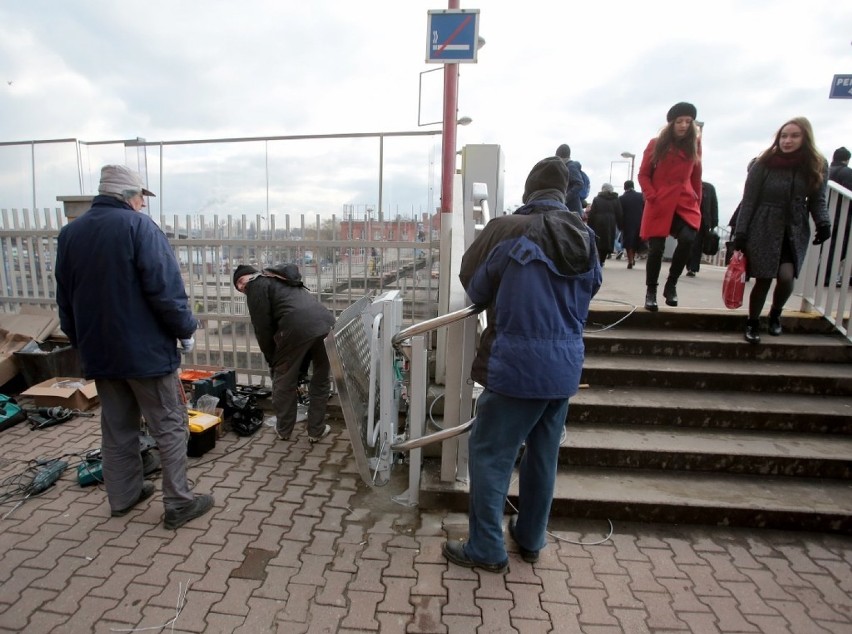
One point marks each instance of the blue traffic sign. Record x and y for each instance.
(841, 87)
(452, 36)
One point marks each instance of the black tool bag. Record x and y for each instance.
(246, 416)
(711, 243)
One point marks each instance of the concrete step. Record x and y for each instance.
(718, 344)
(686, 319)
(718, 374)
(721, 451)
(814, 504)
(645, 406)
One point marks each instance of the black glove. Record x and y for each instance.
(740, 241)
(823, 233)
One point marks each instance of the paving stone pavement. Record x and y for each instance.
(297, 544)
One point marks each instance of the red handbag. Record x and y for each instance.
(733, 286)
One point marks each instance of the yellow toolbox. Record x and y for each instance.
(202, 432)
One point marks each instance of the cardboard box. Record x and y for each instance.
(17, 330)
(57, 392)
(10, 343)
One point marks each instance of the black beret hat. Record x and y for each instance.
(243, 269)
(549, 173)
(681, 109)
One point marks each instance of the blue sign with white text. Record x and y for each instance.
(453, 35)
(841, 87)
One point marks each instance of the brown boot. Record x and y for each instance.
(630, 257)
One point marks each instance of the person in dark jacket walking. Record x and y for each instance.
(536, 271)
(785, 187)
(632, 204)
(122, 302)
(573, 200)
(605, 218)
(670, 176)
(709, 221)
(840, 172)
(290, 326)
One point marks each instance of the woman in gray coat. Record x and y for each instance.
(784, 188)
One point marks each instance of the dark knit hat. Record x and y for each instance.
(549, 173)
(841, 155)
(681, 109)
(564, 151)
(243, 269)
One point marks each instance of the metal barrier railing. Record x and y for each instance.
(361, 350)
(337, 269)
(415, 332)
(825, 281)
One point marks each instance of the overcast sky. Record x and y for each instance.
(599, 76)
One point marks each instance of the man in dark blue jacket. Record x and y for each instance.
(123, 305)
(536, 271)
(840, 172)
(573, 199)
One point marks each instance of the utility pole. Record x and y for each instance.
(448, 137)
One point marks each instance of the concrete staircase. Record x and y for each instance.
(684, 422)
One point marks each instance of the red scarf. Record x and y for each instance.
(786, 160)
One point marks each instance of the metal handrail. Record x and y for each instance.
(420, 329)
(429, 439)
(433, 324)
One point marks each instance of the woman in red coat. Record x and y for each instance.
(670, 177)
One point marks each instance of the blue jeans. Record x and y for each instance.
(502, 425)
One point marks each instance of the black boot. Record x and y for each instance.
(774, 321)
(651, 299)
(670, 293)
(752, 331)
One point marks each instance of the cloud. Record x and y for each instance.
(599, 76)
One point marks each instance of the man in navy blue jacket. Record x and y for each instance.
(536, 271)
(574, 188)
(123, 305)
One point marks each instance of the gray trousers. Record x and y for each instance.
(123, 403)
(285, 382)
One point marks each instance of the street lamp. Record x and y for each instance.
(632, 157)
(611, 163)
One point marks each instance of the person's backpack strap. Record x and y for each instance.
(288, 273)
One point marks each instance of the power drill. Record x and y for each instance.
(43, 417)
(90, 471)
(46, 474)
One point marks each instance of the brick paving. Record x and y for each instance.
(297, 544)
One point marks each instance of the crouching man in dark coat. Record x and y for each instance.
(290, 326)
(536, 271)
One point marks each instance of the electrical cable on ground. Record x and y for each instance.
(633, 309)
(181, 603)
(564, 539)
(32, 482)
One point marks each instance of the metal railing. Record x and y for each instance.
(337, 268)
(825, 282)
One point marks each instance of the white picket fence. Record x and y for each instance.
(338, 271)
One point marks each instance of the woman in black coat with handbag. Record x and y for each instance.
(784, 189)
(709, 221)
(605, 219)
